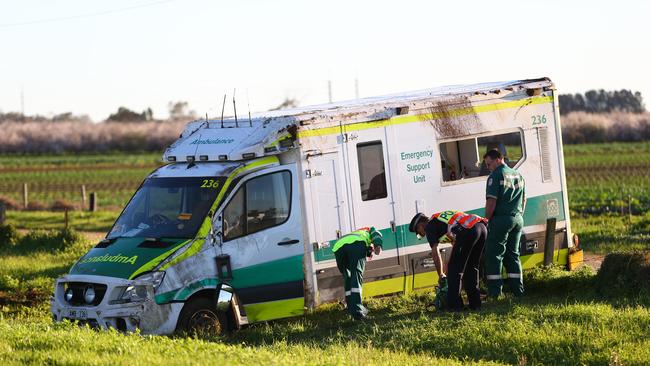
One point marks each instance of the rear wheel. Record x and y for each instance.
(200, 316)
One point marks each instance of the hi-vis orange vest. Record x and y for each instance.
(453, 218)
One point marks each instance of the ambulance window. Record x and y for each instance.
(261, 203)
(462, 159)
(372, 176)
(268, 200)
(509, 144)
(233, 217)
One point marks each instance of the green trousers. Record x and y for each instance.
(502, 248)
(351, 261)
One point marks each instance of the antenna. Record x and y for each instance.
(248, 101)
(234, 106)
(223, 106)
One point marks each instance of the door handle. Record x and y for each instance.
(289, 242)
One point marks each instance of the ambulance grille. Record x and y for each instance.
(545, 154)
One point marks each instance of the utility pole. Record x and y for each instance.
(329, 90)
(356, 88)
(22, 104)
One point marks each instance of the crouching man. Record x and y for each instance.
(351, 251)
(466, 233)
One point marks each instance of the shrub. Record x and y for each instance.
(8, 283)
(36, 206)
(10, 204)
(62, 205)
(625, 276)
(8, 236)
(50, 241)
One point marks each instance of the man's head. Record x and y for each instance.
(418, 223)
(493, 159)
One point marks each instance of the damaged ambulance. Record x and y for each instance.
(238, 226)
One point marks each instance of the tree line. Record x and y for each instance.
(602, 101)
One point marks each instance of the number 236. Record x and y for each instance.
(538, 119)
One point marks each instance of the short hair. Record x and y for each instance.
(493, 154)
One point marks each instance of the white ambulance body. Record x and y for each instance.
(284, 185)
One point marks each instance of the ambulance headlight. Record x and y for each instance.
(155, 278)
(133, 293)
(69, 294)
(89, 294)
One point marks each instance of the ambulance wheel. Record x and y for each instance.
(200, 316)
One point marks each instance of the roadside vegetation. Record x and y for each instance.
(566, 318)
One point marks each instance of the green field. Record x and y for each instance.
(114, 177)
(561, 320)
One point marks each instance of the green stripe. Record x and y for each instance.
(536, 214)
(277, 271)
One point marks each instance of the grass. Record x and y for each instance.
(561, 325)
(602, 234)
(605, 178)
(100, 221)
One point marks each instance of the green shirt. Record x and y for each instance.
(506, 185)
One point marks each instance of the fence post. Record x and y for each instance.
(3, 213)
(629, 208)
(66, 219)
(25, 201)
(83, 195)
(93, 201)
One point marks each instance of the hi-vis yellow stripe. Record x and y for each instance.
(398, 120)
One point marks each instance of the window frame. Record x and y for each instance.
(243, 185)
(475, 137)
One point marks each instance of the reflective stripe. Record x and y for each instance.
(514, 275)
(494, 277)
(348, 293)
(355, 290)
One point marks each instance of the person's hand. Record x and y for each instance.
(377, 249)
(442, 282)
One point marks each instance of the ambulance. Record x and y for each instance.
(237, 227)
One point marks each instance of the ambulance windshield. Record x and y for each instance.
(168, 208)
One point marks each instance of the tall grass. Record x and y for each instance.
(582, 127)
(59, 137)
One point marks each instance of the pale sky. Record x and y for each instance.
(90, 57)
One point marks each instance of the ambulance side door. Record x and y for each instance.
(370, 185)
(261, 229)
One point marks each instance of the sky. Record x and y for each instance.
(91, 57)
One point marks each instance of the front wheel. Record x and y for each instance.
(200, 316)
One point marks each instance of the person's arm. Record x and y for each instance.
(523, 203)
(437, 260)
(491, 194)
(490, 204)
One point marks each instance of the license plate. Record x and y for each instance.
(77, 314)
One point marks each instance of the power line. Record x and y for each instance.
(87, 15)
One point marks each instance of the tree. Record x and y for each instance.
(286, 104)
(601, 101)
(180, 110)
(124, 114)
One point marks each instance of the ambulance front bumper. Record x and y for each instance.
(125, 305)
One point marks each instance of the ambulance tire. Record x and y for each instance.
(200, 316)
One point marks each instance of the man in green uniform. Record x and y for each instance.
(504, 207)
(350, 252)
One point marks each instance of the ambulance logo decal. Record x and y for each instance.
(552, 208)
